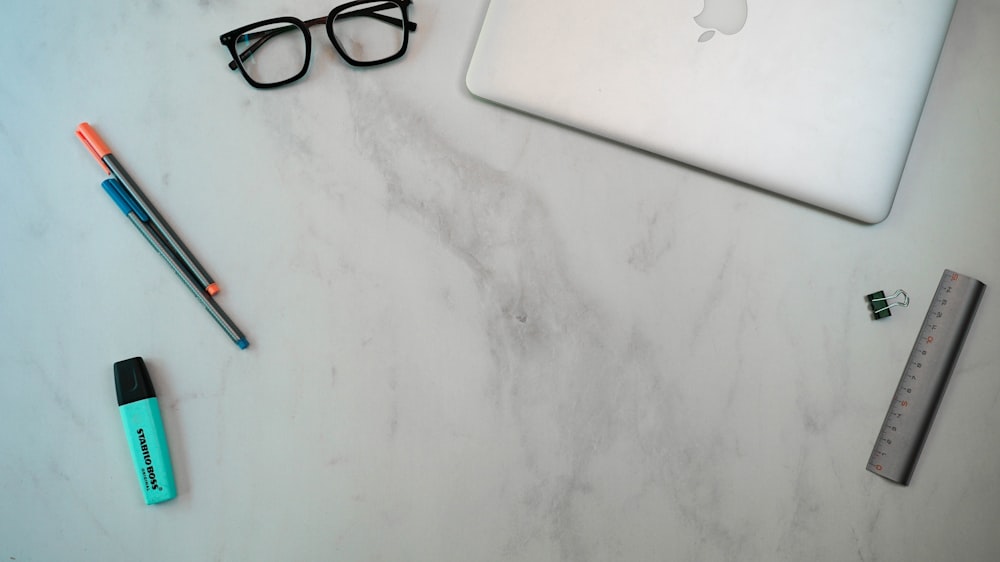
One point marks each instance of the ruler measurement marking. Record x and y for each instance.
(925, 377)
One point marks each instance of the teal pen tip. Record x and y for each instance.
(243, 343)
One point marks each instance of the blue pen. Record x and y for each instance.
(140, 219)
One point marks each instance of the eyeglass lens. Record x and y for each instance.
(369, 32)
(273, 52)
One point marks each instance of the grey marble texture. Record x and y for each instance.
(475, 336)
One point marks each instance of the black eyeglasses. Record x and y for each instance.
(276, 52)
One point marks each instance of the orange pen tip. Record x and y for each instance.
(94, 143)
(212, 289)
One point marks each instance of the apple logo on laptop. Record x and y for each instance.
(724, 16)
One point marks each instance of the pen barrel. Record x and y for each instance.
(147, 443)
(190, 282)
(169, 236)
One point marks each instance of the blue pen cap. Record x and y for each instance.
(147, 441)
(121, 197)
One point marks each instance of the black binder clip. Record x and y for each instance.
(879, 304)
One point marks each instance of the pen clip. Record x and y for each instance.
(125, 202)
(94, 143)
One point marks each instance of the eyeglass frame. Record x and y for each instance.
(229, 39)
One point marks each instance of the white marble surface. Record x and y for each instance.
(474, 335)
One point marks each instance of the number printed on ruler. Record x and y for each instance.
(925, 376)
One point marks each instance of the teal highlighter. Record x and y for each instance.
(147, 441)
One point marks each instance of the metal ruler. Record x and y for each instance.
(925, 376)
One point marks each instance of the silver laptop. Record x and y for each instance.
(817, 100)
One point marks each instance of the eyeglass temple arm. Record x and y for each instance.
(372, 12)
(264, 36)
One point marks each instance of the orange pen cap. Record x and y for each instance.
(94, 143)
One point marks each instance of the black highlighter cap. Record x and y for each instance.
(132, 381)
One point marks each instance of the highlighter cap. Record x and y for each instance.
(132, 381)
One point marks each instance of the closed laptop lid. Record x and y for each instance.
(815, 100)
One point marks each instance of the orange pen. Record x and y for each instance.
(100, 151)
